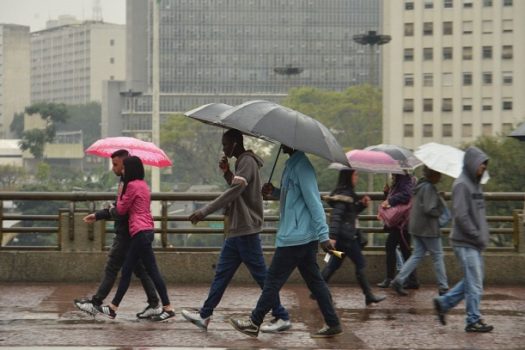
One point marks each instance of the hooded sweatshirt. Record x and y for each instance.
(244, 198)
(470, 228)
(425, 211)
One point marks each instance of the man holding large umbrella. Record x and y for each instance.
(302, 227)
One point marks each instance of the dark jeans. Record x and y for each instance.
(284, 261)
(396, 238)
(140, 249)
(116, 258)
(352, 250)
(237, 250)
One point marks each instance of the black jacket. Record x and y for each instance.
(346, 206)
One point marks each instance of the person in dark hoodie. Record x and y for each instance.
(399, 193)
(469, 237)
(243, 244)
(424, 228)
(345, 236)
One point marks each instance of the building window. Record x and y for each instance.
(428, 79)
(486, 52)
(409, 5)
(111, 77)
(467, 104)
(428, 130)
(428, 54)
(506, 105)
(409, 79)
(112, 42)
(409, 29)
(408, 54)
(506, 26)
(486, 103)
(467, 3)
(506, 52)
(447, 79)
(467, 53)
(427, 105)
(408, 130)
(429, 4)
(447, 53)
(467, 27)
(487, 3)
(506, 78)
(486, 129)
(408, 105)
(447, 130)
(507, 3)
(466, 130)
(428, 28)
(487, 78)
(486, 27)
(447, 28)
(446, 105)
(448, 4)
(111, 60)
(506, 128)
(467, 78)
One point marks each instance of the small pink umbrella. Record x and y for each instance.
(373, 162)
(148, 152)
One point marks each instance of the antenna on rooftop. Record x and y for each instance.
(97, 11)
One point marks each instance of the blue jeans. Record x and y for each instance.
(236, 250)
(140, 249)
(470, 287)
(284, 261)
(422, 245)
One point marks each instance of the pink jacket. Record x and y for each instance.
(136, 203)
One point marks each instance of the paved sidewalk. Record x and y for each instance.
(43, 316)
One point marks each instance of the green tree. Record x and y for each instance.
(85, 117)
(10, 175)
(17, 125)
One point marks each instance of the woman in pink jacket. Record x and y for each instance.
(135, 201)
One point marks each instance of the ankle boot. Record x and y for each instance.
(365, 287)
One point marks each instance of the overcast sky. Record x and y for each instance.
(35, 13)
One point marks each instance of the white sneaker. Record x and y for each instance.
(86, 306)
(195, 318)
(276, 325)
(150, 311)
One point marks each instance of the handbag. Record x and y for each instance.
(397, 216)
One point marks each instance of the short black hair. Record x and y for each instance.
(121, 153)
(234, 135)
(133, 170)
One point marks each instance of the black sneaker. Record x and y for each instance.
(149, 311)
(245, 325)
(479, 327)
(106, 311)
(442, 291)
(327, 332)
(398, 287)
(439, 311)
(163, 316)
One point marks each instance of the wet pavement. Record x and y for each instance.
(42, 316)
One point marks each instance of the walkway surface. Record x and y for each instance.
(42, 316)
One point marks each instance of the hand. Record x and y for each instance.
(365, 200)
(327, 246)
(89, 219)
(385, 204)
(267, 189)
(386, 188)
(196, 216)
(224, 165)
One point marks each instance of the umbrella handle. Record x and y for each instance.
(274, 163)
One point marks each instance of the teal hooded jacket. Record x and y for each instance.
(302, 217)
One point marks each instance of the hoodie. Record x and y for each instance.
(243, 198)
(470, 228)
(425, 211)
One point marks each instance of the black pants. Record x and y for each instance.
(116, 258)
(395, 238)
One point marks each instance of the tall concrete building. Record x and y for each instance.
(232, 51)
(453, 71)
(15, 56)
(70, 62)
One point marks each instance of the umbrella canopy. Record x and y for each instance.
(208, 113)
(403, 155)
(445, 159)
(519, 132)
(273, 122)
(373, 162)
(148, 152)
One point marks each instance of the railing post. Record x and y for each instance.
(1, 222)
(518, 236)
(164, 224)
(91, 228)
(71, 229)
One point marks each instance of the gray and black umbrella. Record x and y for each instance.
(403, 155)
(519, 133)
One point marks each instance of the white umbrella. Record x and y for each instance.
(445, 159)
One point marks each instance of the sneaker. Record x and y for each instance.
(398, 287)
(86, 305)
(385, 283)
(439, 311)
(327, 332)
(479, 327)
(442, 291)
(149, 311)
(106, 311)
(245, 325)
(163, 316)
(195, 318)
(276, 325)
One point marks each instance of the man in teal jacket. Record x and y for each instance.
(302, 227)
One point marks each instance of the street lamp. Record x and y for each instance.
(372, 39)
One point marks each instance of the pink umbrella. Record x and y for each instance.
(148, 152)
(373, 162)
